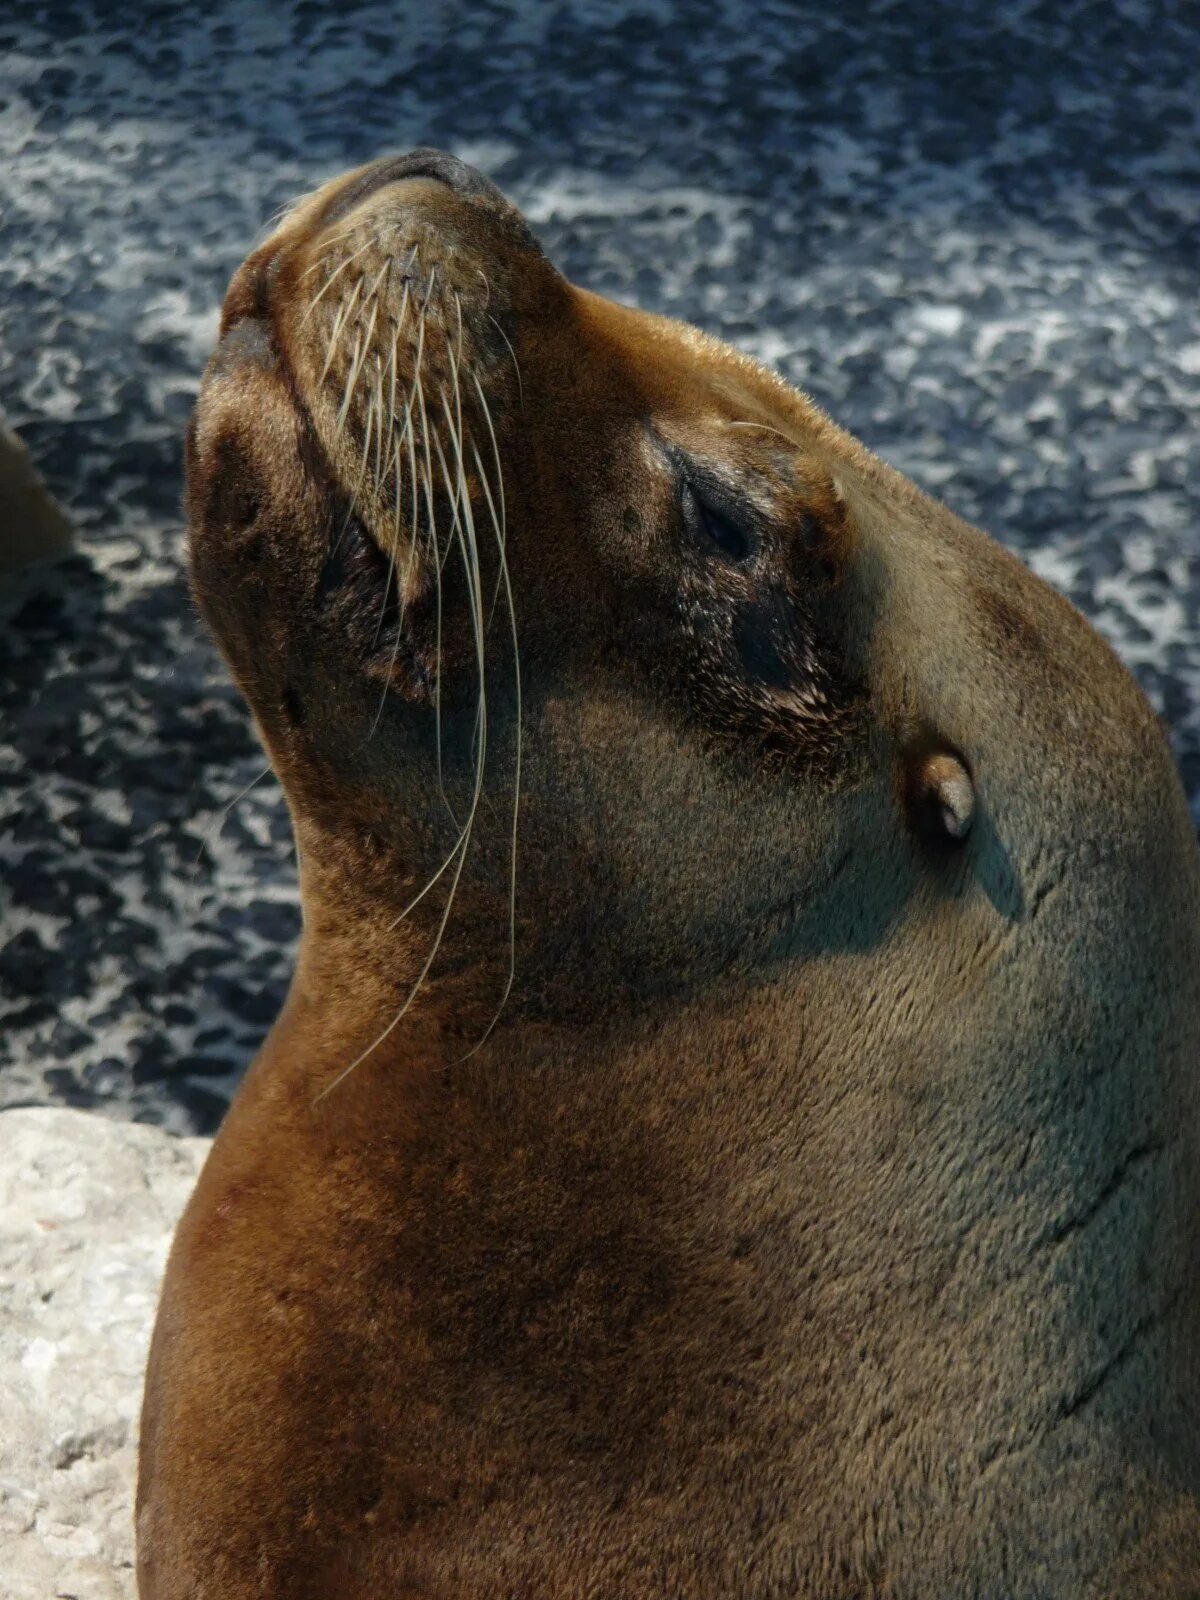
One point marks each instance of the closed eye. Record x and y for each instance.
(715, 530)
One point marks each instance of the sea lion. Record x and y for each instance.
(733, 1130)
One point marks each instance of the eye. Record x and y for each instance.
(712, 529)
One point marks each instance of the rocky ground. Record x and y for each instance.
(86, 1212)
(969, 231)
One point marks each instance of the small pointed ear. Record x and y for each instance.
(942, 795)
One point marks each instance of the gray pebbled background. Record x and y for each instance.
(971, 231)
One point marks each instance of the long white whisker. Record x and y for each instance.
(438, 564)
(512, 353)
(464, 532)
(475, 588)
(500, 525)
(361, 347)
(401, 583)
(455, 422)
(214, 828)
(459, 506)
(393, 365)
(408, 566)
(331, 280)
(379, 480)
(340, 321)
(412, 993)
(502, 545)
(462, 847)
(351, 380)
(362, 476)
(378, 403)
(327, 250)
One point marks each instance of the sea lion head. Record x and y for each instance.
(497, 485)
(619, 694)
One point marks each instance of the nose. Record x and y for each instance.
(437, 164)
(249, 292)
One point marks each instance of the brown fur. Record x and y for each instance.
(819, 1218)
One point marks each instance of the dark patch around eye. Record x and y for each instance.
(761, 636)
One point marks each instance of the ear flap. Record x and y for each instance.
(942, 793)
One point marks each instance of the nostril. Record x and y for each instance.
(436, 164)
(439, 164)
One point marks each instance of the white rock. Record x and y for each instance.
(87, 1208)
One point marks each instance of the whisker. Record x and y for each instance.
(413, 992)
(362, 474)
(393, 451)
(380, 275)
(502, 525)
(412, 463)
(395, 438)
(394, 445)
(393, 364)
(214, 828)
(361, 346)
(351, 377)
(325, 288)
(397, 524)
(327, 250)
(340, 321)
(402, 583)
(455, 495)
(335, 275)
(512, 353)
(475, 588)
(455, 423)
(464, 528)
(437, 566)
(378, 402)
(459, 851)
(502, 543)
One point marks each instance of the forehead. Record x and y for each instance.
(692, 392)
(676, 362)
